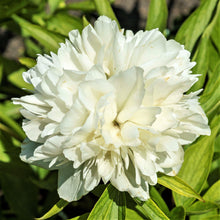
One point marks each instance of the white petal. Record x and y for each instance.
(145, 115)
(72, 186)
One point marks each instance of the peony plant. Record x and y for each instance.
(98, 121)
(111, 106)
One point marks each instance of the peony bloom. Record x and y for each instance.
(111, 106)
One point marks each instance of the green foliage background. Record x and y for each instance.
(28, 191)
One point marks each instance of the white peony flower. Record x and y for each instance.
(111, 106)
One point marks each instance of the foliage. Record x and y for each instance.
(28, 191)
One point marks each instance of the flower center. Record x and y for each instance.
(116, 124)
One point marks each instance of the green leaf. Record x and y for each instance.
(20, 194)
(1, 70)
(202, 56)
(87, 5)
(81, 217)
(4, 157)
(197, 162)
(55, 4)
(27, 61)
(202, 62)
(85, 21)
(10, 109)
(211, 196)
(63, 23)
(201, 207)
(133, 210)
(216, 31)
(48, 183)
(177, 185)
(8, 7)
(150, 209)
(32, 48)
(177, 213)
(103, 7)
(195, 24)
(16, 79)
(46, 38)
(214, 56)
(210, 99)
(59, 206)
(111, 205)
(99, 190)
(157, 15)
(132, 214)
(12, 124)
(155, 195)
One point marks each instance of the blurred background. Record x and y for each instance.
(132, 14)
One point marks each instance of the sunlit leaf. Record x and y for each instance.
(201, 207)
(63, 23)
(12, 124)
(103, 7)
(85, 21)
(59, 206)
(48, 39)
(27, 61)
(54, 4)
(197, 162)
(150, 209)
(16, 79)
(157, 198)
(177, 185)
(86, 5)
(216, 30)
(212, 203)
(157, 15)
(111, 205)
(210, 99)
(193, 27)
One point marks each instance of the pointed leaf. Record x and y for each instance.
(155, 195)
(85, 21)
(197, 162)
(213, 194)
(177, 213)
(103, 7)
(27, 61)
(16, 79)
(209, 207)
(87, 5)
(48, 39)
(12, 124)
(157, 15)
(201, 207)
(150, 209)
(193, 27)
(177, 185)
(216, 31)
(111, 205)
(210, 99)
(81, 217)
(63, 23)
(59, 206)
